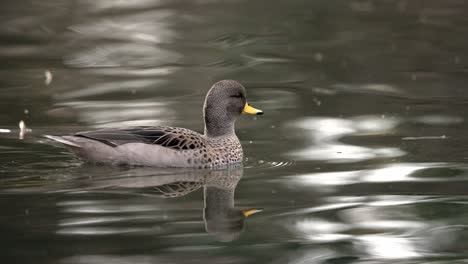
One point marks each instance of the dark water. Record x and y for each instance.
(361, 156)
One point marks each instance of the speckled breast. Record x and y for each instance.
(223, 151)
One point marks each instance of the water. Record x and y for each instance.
(360, 157)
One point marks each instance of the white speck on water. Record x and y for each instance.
(456, 60)
(22, 126)
(317, 101)
(48, 77)
(5, 130)
(318, 57)
(250, 142)
(22, 129)
(145, 37)
(324, 91)
(426, 137)
(26, 111)
(272, 126)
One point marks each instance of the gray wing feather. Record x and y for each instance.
(170, 137)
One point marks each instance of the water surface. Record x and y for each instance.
(360, 157)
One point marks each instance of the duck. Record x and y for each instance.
(166, 146)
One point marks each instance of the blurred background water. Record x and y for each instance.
(361, 156)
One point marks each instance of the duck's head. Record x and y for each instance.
(226, 224)
(225, 101)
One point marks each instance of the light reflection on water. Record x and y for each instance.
(399, 172)
(114, 113)
(359, 158)
(326, 132)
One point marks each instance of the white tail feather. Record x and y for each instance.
(62, 140)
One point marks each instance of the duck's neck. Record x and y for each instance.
(218, 200)
(218, 126)
(219, 131)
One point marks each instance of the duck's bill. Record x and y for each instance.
(249, 212)
(251, 110)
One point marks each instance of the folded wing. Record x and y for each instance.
(169, 137)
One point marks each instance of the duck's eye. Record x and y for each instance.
(237, 95)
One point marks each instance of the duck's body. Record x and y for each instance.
(165, 146)
(154, 146)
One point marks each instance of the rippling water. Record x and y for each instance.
(360, 157)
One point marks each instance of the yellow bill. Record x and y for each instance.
(250, 110)
(249, 212)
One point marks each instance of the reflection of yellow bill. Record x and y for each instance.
(250, 110)
(252, 211)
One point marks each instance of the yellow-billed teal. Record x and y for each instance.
(163, 146)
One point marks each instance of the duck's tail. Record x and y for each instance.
(63, 140)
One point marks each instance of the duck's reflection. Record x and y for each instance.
(222, 219)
